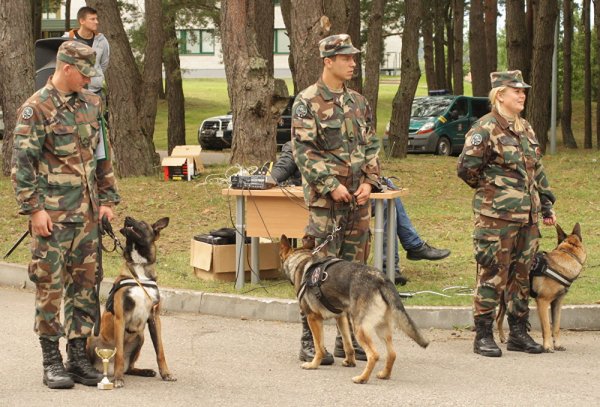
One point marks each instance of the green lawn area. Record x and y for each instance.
(438, 203)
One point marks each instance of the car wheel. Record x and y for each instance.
(443, 146)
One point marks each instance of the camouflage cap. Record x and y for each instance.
(513, 79)
(79, 55)
(335, 45)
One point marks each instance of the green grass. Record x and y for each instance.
(438, 203)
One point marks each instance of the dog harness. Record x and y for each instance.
(313, 277)
(539, 267)
(127, 282)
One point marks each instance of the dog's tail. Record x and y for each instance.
(403, 320)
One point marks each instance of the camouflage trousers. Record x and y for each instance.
(63, 268)
(504, 251)
(351, 241)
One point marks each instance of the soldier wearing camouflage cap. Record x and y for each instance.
(63, 179)
(501, 160)
(336, 150)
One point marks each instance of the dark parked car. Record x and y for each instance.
(438, 124)
(216, 133)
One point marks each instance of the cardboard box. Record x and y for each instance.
(183, 163)
(217, 262)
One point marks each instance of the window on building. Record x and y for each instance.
(196, 42)
(281, 45)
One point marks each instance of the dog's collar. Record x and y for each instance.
(572, 255)
(559, 277)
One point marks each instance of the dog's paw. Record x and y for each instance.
(348, 363)
(359, 380)
(560, 348)
(383, 375)
(142, 372)
(548, 350)
(169, 377)
(308, 366)
(119, 383)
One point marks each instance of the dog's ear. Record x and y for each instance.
(561, 235)
(284, 247)
(159, 225)
(577, 231)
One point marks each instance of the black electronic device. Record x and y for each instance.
(250, 182)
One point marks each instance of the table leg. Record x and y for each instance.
(240, 252)
(254, 260)
(390, 236)
(378, 258)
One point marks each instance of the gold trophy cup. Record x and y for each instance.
(105, 355)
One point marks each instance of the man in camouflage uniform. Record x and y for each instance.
(64, 184)
(335, 148)
(501, 160)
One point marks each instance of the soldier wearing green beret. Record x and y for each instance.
(63, 180)
(335, 148)
(501, 160)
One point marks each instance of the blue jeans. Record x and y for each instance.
(409, 238)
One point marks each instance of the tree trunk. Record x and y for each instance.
(458, 15)
(132, 95)
(310, 25)
(67, 15)
(36, 19)
(587, 76)
(251, 87)
(409, 79)
(597, 28)
(353, 7)
(16, 68)
(450, 43)
(286, 12)
(480, 77)
(538, 99)
(427, 31)
(373, 58)
(518, 39)
(174, 84)
(491, 19)
(567, 109)
(438, 42)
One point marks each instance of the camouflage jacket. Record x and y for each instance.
(54, 165)
(506, 171)
(334, 142)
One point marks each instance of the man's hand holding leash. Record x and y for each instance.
(550, 221)
(363, 193)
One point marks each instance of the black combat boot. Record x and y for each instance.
(484, 339)
(78, 365)
(55, 376)
(518, 338)
(307, 346)
(338, 352)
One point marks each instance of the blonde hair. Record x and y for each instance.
(512, 118)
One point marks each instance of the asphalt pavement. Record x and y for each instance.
(240, 362)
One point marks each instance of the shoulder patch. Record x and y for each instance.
(27, 113)
(301, 110)
(476, 139)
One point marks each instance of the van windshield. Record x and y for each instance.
(429, 107)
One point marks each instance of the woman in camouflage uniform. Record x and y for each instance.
(501, 160)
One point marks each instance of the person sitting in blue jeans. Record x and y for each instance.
(416, 248)
(285, 170)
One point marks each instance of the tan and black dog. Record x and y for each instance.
(348, 292)
(551, 276)
(133, 304)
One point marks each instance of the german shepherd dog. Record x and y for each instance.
(131, 305)
(567, 259)
(363, 295)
